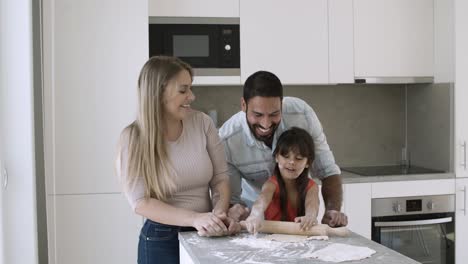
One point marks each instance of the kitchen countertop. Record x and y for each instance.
(349, 177)
(224, 250)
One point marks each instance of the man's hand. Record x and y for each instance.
(238, 212)
(234, 226)
(334, 218)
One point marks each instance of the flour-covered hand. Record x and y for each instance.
(253, 223)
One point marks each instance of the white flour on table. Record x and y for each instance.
(256, 249)
(280, 250)
(338, 252)
(254, 242)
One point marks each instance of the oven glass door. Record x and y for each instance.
(427, 239)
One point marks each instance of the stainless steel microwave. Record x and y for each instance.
(203, 43)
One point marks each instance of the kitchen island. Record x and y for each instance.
(246, 248)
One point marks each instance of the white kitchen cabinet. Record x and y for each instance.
(357, 206)
(190, 8)
(93, 52)
(340, 36)
(444, 41)
(393, 38)
(19, 155)
(461, 221)
(99, 228)
(461, 129)
(290, 40)
(461, 88)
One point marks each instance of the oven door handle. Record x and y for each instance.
(414, 223)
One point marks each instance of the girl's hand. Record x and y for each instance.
(209, 224)
(253, 223)
(306, 221)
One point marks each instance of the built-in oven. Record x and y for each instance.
(421, 228)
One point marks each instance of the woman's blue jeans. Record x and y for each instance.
(159, 243)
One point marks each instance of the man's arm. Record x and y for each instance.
(324, 164)
(332, 192)
(238, 210)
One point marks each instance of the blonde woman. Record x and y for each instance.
(170, 160)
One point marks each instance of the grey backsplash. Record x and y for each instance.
(430, 125)
(364, 124)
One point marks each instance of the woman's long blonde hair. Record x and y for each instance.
(147, 154)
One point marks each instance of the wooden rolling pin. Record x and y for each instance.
(292, 228)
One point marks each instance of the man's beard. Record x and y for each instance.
(266, 139)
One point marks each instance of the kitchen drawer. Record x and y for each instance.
(412, 188)
(86, 228)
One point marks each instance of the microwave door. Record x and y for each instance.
(194, 44)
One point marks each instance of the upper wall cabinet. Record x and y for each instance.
(393, 38)
(340, 38)
(290, 40)
(93, 54)
(190, 8)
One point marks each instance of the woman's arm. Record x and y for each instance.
(221, 195)
(207, 224)
(257, 215)
(219, 184)
(311, 209)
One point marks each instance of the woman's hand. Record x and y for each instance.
(209, 224)
(306, 221)
(233, 226)
(253, 223)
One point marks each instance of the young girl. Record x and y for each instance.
(289, 195)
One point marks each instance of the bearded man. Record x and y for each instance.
(250, 137)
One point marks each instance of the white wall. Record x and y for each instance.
(18, 211)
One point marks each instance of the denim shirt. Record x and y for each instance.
(250, 161)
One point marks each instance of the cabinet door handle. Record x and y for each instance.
(463, 164)
(414, 222)
(5, 178)
(464, 199)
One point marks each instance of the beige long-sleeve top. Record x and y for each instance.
(199, 161)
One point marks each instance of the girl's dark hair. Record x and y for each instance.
(298, 141)
(264, 84)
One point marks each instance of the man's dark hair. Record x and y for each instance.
(264, 84)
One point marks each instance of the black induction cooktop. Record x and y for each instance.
(389, 170)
